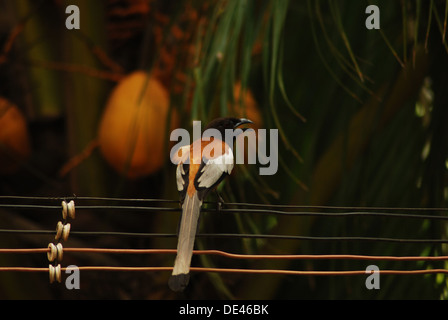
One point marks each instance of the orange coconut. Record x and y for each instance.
(14, 139)
(246, 107)
(132, 130)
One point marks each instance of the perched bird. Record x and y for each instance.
(197, 174)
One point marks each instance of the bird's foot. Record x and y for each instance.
(220, 203)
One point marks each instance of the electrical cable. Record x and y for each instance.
(124, 206)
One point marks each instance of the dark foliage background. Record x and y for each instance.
(362, 118)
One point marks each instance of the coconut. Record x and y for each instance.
(14, 139)
(245, 106)
(132, 129)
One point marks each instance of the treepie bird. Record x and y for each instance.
(197, 174)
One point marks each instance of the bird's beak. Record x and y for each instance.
(241, 122)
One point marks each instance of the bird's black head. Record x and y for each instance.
(222, 124)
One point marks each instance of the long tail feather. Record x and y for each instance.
(189, 222)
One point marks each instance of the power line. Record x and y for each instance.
(233, 255)
(226, 235)
(138, 206)
(229, 270)
(247, 208)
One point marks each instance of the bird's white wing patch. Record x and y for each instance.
(215, 168)
(179, 177)
(180, 157)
